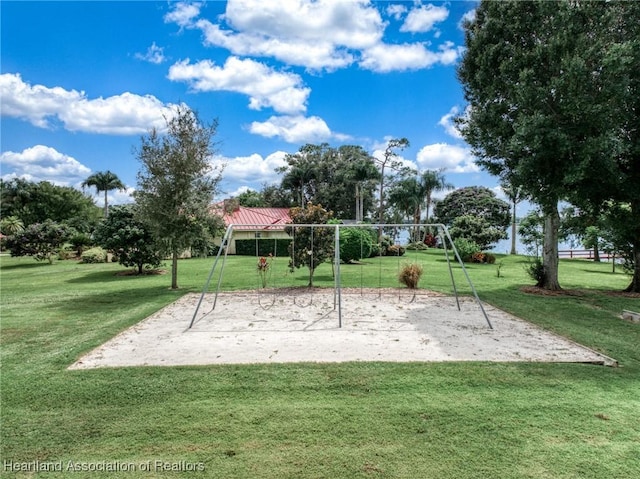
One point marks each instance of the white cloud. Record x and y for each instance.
(318, 34)
(43, 163)
(284, 92)
(450, 157)
(470, 16)
(396, 11)
(422, 18)
(125, 114)
(408, 56)
(252, 168)
(293, 129)
(154, 54)
(183, 13)
(449, 126)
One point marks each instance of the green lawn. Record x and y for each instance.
(434, 420)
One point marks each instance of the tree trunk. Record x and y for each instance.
(174, 270)
(106, 204)
(550, 250)
(634, 287)
(596, 251)
(513, 229)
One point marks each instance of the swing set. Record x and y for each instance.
(266, 271)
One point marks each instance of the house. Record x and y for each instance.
(259, 224)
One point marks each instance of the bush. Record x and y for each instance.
(417, 246)
(79, 242)
(410, 275)
(430, 240)
(489, 258)
(94, 255)
(355, 244)
(395, 250)
(65, 253)
(535, 269)
(466, 248)
(478, 257)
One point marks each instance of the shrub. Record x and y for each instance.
(65, 253)
(430, 240)
(395, 250)
(489, 258)
(79, 241)
(266, 246)
(535, 269)
(466, 248)
(94, 255)
(410, 275)
(355, 244)
(417, 246)
(478, 257)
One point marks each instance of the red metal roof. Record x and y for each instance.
(271, 218)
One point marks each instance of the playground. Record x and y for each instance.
(302, 325)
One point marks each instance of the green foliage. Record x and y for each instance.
(94, 255)
(490, 215)
(11, 225)
(394, 250)
(310, 246)
(333, 177)
(417, 246)
(79, 241)
(40, 240)
(266, 247)
(476, 229)
(129, 239)
(104, 181)
(410, 275)
(530, 231)
(466, 248)
(38, 202)
(355, 244)
(176, 183)
(251, 199)
(535, 270)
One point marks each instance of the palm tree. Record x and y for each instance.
(104, 181)
(432, 181)
(11, 225)
(407, 195)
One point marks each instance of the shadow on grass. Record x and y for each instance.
(25, 265)
(109, 276)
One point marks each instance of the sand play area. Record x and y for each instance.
(302, 326)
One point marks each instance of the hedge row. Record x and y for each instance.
(276, 247)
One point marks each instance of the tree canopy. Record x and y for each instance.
(104, 181)
(37, 202)
(129, 238)
(343, 179)
(176, 183)
(543, 82)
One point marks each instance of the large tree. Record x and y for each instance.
(37, 202)
(310, 246)
(177, 182)
(537, 84)
(433, 181)
(389, 160)
(129, 238)
(322, 174)
(104, 181)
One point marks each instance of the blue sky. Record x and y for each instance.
(80, 83)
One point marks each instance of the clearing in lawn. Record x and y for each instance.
(301, 325)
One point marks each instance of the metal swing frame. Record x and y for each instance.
(443, 233)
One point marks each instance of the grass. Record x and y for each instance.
(405, 420)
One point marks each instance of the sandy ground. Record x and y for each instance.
(302, 326)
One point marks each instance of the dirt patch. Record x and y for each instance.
(307, 326)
